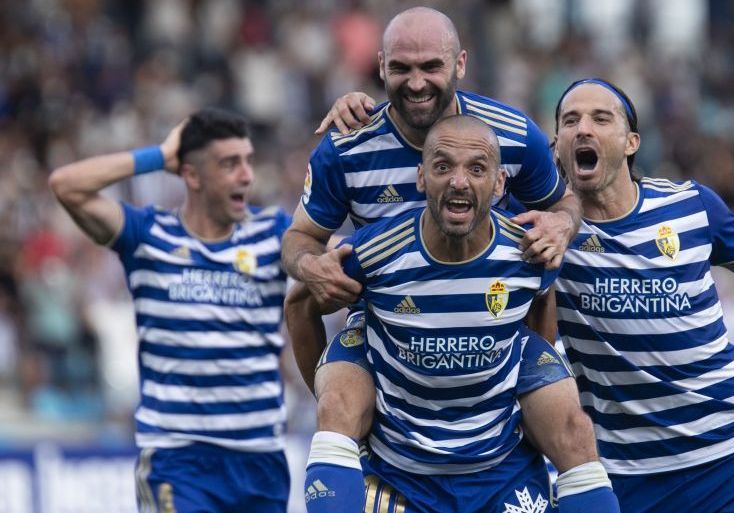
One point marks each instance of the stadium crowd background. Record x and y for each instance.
(84, 77)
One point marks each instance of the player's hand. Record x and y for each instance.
(546, 242)
(326, 280)
(349, 112)
(170, 147)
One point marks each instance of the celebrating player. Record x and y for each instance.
(639, 314)
(208, 291)
(446, 293)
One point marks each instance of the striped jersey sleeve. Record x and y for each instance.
(208, 316)
(643, 327)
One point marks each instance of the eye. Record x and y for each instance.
(477, 169)
(441, 167)
(569, 121)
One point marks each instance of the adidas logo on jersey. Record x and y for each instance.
(317, 490)
(592, 244)
(546, 358)
(407, 306)
(389, 195)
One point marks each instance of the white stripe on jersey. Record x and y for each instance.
(170, 440)
(372, 210)
(206, 312)
(454, 320)
(210, 422)
(210, 367)
(209, 339)
(673, 462)
(375, 177)
(651, 358)
(199, 395)
(642, 326)
(165, 280)
(379, 143)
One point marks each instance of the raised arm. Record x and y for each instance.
(77, 185)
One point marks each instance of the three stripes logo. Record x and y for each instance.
(407, 306)
(318, 490)
(592, 245)
(389, 195)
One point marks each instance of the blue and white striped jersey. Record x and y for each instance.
(443, 344)
(370, 173)
(643, 328)
(208, 317)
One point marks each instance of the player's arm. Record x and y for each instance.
(77, 185)
(541, 317)
(306, 259)
(552, 230)
(306, 329)
(720, 226)
(349, 112)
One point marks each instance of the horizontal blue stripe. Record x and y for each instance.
(225, 434)
(220, 380)
(664, 418)
(150, 321)
(207, 353)
(218, 408)
(662, 448)
(689, 339)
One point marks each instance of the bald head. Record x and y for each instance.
(462, 130)
(421, 21)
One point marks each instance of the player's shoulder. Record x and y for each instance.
(508, 231)
(387, 231)
(378, 133)
(652, 186)
(503, 118)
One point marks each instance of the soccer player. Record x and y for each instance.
(370, 174)
(208, 290)
(446, 293)
(639, 314)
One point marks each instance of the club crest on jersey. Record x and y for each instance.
(244, 261)
(351, 338)
(668, 242)
(496, 298)
(307, 185)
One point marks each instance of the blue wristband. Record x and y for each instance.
(148, 159)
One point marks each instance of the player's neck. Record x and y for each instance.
(452, 249)
(202, 226)
(417, 136)
(612, 203)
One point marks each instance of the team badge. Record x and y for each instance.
(351, 338)
(496, 298)
(244, 261)
(165, 498)
(668, 242)
(307, 185)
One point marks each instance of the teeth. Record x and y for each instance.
(419, 99)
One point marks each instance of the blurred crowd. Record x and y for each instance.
(84, 77)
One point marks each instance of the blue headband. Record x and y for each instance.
(607, 86)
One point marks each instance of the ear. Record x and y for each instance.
(381, 64)
(554, 148)
(420, 181)
(633, 143)
(461, 65)
(499, 183)
(191, 175)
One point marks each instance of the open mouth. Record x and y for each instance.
(458, 208)
(238, 197)
(586, 159)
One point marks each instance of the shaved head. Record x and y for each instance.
(422, 20)
(462, 127)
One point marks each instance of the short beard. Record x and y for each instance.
(451, 232)
(424, 121)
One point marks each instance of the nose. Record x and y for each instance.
(584, 126)
(246, 173)
(416, 81)
(459, 180)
